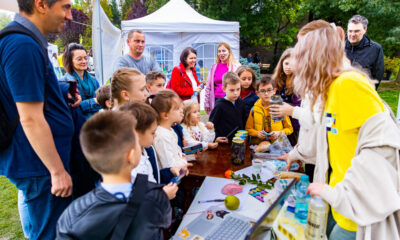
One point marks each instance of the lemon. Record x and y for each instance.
(232, 202)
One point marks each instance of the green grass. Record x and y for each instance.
(389, 92)
(10, 227)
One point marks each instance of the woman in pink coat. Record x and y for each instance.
(225, 63)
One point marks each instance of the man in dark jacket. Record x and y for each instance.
(362, 51)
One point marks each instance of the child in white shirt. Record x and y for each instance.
(169, 154)
(194, 130)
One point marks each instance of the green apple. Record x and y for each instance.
(231, 202)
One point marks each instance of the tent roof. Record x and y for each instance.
(178, 16)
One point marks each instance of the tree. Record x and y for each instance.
(269, 24)
(137, 10)
(115, 13)
(5, 19)
(126, 7)
(154, 5)
(72, 31)
(383, 17)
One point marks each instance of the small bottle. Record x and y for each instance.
(317, 219)
(301, 207)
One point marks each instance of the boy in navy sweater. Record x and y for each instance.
(229, 112)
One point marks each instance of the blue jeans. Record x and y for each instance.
(23, 213)
(335, 232)
(41, 208)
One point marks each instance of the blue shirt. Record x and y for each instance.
(22, 79)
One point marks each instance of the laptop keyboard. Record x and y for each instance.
(231, 228)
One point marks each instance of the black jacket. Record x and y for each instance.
(367, 54)
(226, 117)
(94, 216)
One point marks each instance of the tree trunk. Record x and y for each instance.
(398, 77)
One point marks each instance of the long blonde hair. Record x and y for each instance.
(318, 61)
(231, 59)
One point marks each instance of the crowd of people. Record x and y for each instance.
(96, 162)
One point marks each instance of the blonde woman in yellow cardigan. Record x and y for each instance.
(260, 118)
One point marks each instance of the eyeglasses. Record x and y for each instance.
(269, 91)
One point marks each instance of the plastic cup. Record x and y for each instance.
(257, 165)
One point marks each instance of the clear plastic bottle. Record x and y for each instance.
(318, 211)
(276, 100)
(301, 207)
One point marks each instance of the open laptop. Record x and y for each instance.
(217, 223)
(262, 229)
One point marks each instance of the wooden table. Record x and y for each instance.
(212, 163)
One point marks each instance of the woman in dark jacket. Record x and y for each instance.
(184, 79)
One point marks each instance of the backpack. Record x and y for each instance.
(9, 126)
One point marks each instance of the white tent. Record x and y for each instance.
(176, 26)
(9, 5)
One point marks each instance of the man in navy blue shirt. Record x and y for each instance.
(37, 161)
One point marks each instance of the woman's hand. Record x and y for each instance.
(78, 100)
(285, 157)
(315, 189)
(281, 110)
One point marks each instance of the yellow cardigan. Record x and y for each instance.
(260, 119)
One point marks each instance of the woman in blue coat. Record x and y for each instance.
(75, 62)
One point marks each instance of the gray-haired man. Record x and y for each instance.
(362, 51)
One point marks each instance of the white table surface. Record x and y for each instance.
(212, 189)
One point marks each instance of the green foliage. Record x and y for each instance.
(255, 67)
(392, 65)
(154, 5)
(5, 19)
(126, 8)
(263, 23)
(255, 180)
(383, 17)
(115, 13)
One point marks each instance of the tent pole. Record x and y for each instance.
(100, 42)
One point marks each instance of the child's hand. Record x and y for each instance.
(209, 125)
(198, 155)
(222, 140)
(177, 170)
(274, 135)
(261, 135)
(213, 145)
(170, 190)
(185, 142)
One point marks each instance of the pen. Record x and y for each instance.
(215, 200)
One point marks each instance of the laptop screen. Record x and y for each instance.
(262, 229)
